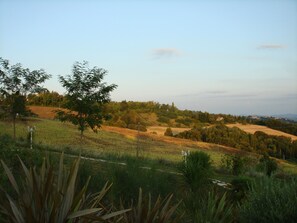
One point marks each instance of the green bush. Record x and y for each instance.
(269, 165)
(236, 164)
(270, 201)
(196, 170)
(163, 119)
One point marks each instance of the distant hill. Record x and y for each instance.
(292, 117)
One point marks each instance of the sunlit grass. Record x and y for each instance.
(65, 137)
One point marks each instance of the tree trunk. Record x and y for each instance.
(81, 123)
(14, 132)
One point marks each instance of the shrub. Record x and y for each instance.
(238, 165)
(197, 170)
(163, 119)
(269, 165)
(235, 164)
(168, 132)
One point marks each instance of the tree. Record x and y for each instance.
(270, 165)
(168, 132)
(15, 83)
(85, 97)
(197, 171)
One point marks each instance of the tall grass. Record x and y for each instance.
(271, 200)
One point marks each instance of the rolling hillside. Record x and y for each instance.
(48, 113)
(116, 140)
(253, 128)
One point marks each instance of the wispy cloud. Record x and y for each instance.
(271, 46)
(166, 52)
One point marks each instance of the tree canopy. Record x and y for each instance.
(15, 83)
(18, 80)
(86, 94)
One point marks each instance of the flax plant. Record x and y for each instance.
(45, 196)
(145, 211)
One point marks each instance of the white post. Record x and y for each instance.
(31, 130)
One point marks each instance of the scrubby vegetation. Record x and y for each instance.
(276, 146)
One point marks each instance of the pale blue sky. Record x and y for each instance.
(228, 56)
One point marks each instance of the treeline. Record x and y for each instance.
(288, 127)
(167, 114)
(129, 114)
(276, 146)
(46, 98)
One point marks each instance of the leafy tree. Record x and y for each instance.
(270, 165)
(234, 164)
(168, 132)
(46, 98)
(85, 97)
(130, 117)
(15, 83)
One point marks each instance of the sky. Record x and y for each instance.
(234, 57)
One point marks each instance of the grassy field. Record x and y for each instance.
(118, 143)
(113, 142)
(109, 140)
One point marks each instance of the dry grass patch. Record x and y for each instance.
(44, 112)
(133, 134)
(160, 130)
(253, 128)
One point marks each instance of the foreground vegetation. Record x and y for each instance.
(195, 198)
